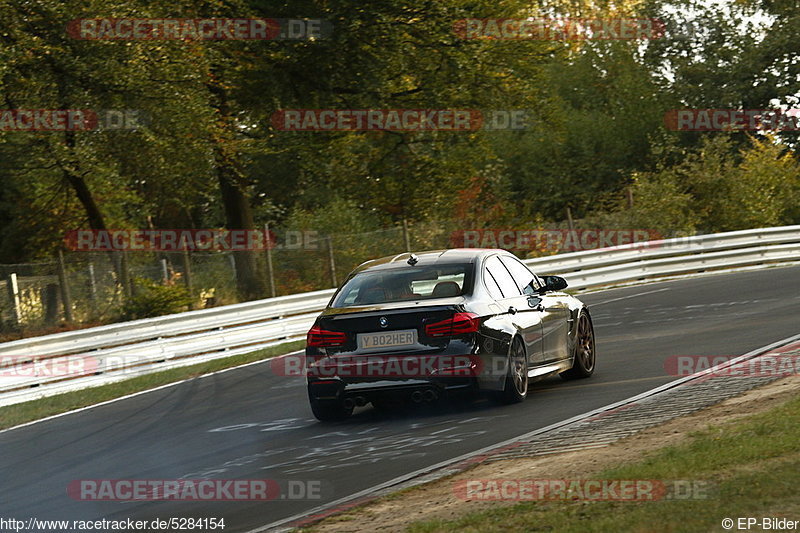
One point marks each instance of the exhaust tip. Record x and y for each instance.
(430, 395)
(416, 396)
(348, 403)
(361, 401)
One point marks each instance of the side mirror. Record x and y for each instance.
(554, 283)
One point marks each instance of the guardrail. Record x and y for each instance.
(165, 326)
(652, 259)
(119, 351)
(683, 246)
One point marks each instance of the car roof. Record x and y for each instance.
(429, 257)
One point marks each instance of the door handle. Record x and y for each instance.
(535, 304)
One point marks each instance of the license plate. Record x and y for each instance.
(387, 339)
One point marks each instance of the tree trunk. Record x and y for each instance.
(93, 214)
(250, 280)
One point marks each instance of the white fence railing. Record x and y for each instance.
(39, 366)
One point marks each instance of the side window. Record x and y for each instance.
(491, 285)
(522, 275)
(504, 280)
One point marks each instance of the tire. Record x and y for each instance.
(516, 386)
(328, 410)
(584, 353)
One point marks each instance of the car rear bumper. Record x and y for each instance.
(383, 375)
(384, 389)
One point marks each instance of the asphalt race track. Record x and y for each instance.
(249, 423)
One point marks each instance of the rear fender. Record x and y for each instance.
(494, 345)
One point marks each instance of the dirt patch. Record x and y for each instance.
(436, 500)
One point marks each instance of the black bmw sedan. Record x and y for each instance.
(412, 327)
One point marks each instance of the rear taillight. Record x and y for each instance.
(322, 338)
(460, 324)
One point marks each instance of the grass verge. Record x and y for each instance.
(753, 466)
(13, 415)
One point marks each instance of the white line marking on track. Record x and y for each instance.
(626, 297)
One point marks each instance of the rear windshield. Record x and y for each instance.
(405, 284)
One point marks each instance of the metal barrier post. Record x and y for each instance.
(66, 298)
